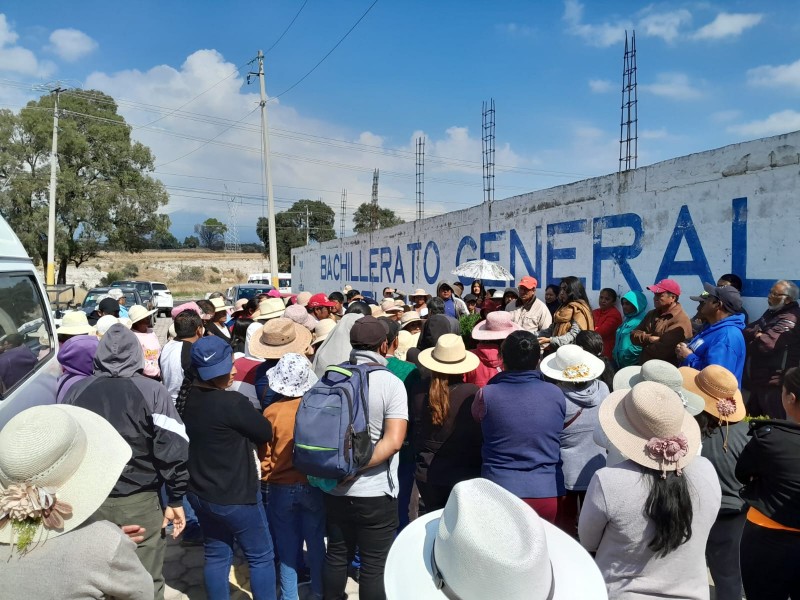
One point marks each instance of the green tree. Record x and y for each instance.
(291, 227)
(104, 196)
(164, 240)
(369, 217)
(191, 241)
(211, 233)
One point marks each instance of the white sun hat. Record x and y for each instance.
(61, 458)
(74, 322)
(292, 376)
(137, 312)
(104, 323)
(572, 364)
(488, 544)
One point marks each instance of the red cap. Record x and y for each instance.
(318, 300)
(528, 282)
(665, 285)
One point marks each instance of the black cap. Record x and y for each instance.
(109, 306)
(367, 331)
(728, 296)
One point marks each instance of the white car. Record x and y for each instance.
(162, 298)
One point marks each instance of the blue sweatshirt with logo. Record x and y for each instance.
(719, 344)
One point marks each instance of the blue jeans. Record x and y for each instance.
(297, 513)
(247, 524)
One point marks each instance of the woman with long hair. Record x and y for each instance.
(478, 291)
(239, 334)
(648, 517)
(551, 298)
(770, 472)
(447, 441)
(225, 430)
(574, 315)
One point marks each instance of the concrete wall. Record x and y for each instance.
(693, 218)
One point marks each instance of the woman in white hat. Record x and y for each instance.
(648, 518)
(151, 347)
(575, 371)
(58, 464)
(419, 300)
(487, 544)
(724, 436)
(489, 334)
(447, 441)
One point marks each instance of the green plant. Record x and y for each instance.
(111, 277)
(239, 275)
(190, 274)
(130, 270)
(215, 270)
(214, 279)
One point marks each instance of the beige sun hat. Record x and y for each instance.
(303, 298)
(659, 371)
(58, 456)
(449, 356)
(420, 292)
(269, 308)
(104, 323)
(410, 317)
(321, 330)
(376, 310)
(219, 304)
(390, 306)
(488, 544)
(405, 341)
(137, 312)
(279, 336)
(572, 364)
(649, 425)
(719, 389)
(74, 322)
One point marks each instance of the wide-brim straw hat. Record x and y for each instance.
(390, 306)
(660, 371)
(292, 376)
(409, 318)
(719, 389)
(449, 356)
(497, 326)
(649, 426)
(74, 322)
(137, 312)
(269, 308)
(405, 341)
(420, 292)
(279, 336)
(219, 304)
(321, 330)
(74, 453)
(572, 364)
(488, 544)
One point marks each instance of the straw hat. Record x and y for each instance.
(410, 317)
(137, 312)
(572, 364)
(390, 306)
(660, 371)
(300, 315)
(279, 336)
(269, 308)
(219, 304)
(74, 322)
(322, 329)
(292, 376)
(487, 543)
(449, 356)
(376, 310)
(303, 298)
(59, 455)
(497, 326)
(649, 425)
(405, 340)
(420, 292)
(719, 389)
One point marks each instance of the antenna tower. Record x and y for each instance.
(420, 178)
(488, 150)
(232, 234)
(343, 212)
(374, 224)
(629, 123)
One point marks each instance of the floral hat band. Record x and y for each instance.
(669, 450)
(576, 371)
(27, 503)
(726, 407)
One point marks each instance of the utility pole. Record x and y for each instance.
(308, 225)
(51, 223)
(273, 243)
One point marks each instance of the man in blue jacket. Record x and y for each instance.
(721, 342)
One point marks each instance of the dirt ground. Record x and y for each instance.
(186, 273)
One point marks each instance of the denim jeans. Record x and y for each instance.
(297, 513)
(247, 524)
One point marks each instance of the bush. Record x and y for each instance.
(111, 277)
(214, 279)
(215, 270)
(239, 275)
(190, 274)
(130, 270)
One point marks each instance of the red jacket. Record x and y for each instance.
(606, 323)
(491, 364)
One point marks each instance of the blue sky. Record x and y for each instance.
(709, 74)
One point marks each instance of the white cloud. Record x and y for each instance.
(7, 36)
(725, 116)
(781, 75)
(71, 44)
(672, 85)
(664, 25)
(600, 86)
(776, 123)
(728, 25)
(16, 59)
(602, 35)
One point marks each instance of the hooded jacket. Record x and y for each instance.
(141, 411)
(459, 305)
(76, 357)
(491, 364)
(719, 344)
(336, 348)
(626, 353)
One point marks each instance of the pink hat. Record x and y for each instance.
(665, 285)
(186, 306)
(300, 315)
(497, 326)
(274, 294)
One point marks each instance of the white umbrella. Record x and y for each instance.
(483, 269)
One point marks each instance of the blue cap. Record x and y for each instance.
(212, 357)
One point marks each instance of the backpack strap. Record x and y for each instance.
(573, 419)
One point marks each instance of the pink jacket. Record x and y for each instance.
(491, 364)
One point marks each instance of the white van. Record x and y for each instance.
(284, 280)
(28, 365)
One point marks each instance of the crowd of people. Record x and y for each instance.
(486, 444)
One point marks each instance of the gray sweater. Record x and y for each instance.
(614, 525)
(580, 454)
(96, 560)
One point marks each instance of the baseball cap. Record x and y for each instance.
(212, 357)
(367, 331)
(665, 285)
(319, 300)
(528, 282)
(109, 306)
(728, 295)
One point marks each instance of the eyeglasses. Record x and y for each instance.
(774, 295)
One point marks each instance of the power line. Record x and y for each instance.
(288, 27)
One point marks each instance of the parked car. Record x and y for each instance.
(90, 301)
(246, 290)
(163, 298)
(145, 289)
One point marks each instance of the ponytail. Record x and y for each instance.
(669, 507)
(439, 398)
(188, 379)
